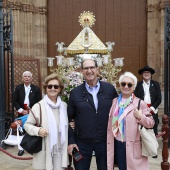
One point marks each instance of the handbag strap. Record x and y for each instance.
(139, 104)
(146, 115)
(138, 109)
(40, 114)
(38, 125)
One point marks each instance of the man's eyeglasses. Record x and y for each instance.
(50, 86)
(123, 84)
(87, 68)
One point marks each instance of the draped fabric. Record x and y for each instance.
(118, 120)
(53, 130)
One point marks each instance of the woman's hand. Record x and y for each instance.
(42, 132)
(137, 114)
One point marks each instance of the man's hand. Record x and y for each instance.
(72, 124)
(151, 111)
(24, 112)
(70, 148)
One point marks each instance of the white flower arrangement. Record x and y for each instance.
(73, 80)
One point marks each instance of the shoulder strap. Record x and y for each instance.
(37, 124)
(40, 114)
(141, 126)
(139, 104)
(146, 115)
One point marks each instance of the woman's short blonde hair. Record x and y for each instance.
(130, 75)
(54, 77)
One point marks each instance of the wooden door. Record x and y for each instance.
(121, 21)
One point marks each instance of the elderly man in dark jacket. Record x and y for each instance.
(89, 105)
(26, 95)
(149, 91)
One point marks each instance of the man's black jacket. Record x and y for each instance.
(90, 124)
(19, 96)
(155, 93)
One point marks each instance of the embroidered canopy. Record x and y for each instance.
(86, 41)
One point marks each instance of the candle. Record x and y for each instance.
(50, 61)
(106, 59)
(70, 61)
(99, 62)
(59, 60)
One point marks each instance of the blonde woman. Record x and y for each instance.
(54, 127)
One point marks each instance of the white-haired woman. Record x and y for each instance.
(123, 138)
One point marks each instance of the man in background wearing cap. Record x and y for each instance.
(149, 91)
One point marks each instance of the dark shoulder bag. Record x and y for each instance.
(32, 144)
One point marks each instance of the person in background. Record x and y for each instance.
(149, 91)
(54, 126)
(89, 106)
(123, 138)
(26, 95)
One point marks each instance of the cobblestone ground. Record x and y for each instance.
(8, 163)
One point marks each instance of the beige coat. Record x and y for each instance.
(43, 159)
(134, 158)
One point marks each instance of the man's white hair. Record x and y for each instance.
(26, 72)
(130, 75)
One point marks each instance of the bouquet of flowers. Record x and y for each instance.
(73, 80)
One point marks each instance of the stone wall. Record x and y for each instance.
(30, 30)
(30, 33)
(155, 39)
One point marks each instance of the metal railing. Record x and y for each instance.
(6, 53)
(167, 63)
(2, 85)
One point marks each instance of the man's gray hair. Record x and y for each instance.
(95, 62)
(26, 72)
(131, 75)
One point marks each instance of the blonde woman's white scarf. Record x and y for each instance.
(53, 130)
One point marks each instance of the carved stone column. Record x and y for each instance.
(30, 30)
(155, 39)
